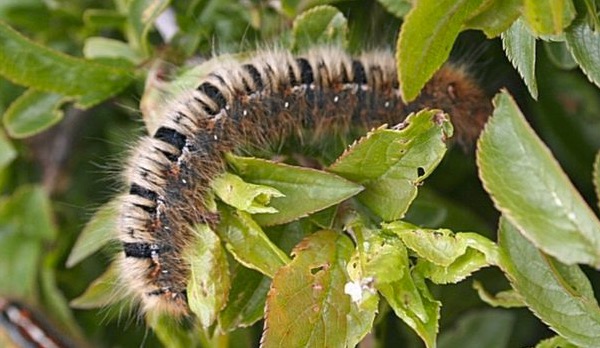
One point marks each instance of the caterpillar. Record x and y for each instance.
(26, 328)
(268, 97)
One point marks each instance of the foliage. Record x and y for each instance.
(374, 243)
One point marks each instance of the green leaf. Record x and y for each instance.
(548, 16)
(398, 8)
(171, 332)
(29, 211)
(441, 246)
(411, 290)
(560, 55)
(392, 164)
(555, 342)
(7, 151)
(141, 17)
(208, 287)
(519, 46)
(101, 292)
(306, 190)
(596, 178)
(505, 299)
(247, 297)
(445, 257)
(247, 242)
(496, 18)
(103, 18)
(96, 234)
(584, 44)
(27, 63)
(19, 262)
(528, 186)
(307, 304)
(382, 259)
(26, 221)
(53, 297)
(101, 47)
(559, 295)
(244, 196)
(321, 25)
(32, 113)
(490, 328)
(425, 40)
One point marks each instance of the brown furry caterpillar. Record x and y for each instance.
(270, 96)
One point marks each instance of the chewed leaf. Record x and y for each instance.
(519, 47)
(381, 262)
(441, 247)
(425, 40)
(320, 25)
(307, 304)
(558, 294)
(250, 198)
(33, 112)
(391, 164)
(96, 234)
(528, 186)
(445, 257)
(48, 70)
(305, 190)
(248, 243)
(505, 299)
(101, 292)
(209, 283)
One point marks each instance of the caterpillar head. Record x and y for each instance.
(458, 94)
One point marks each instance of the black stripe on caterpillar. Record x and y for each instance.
(270, 96)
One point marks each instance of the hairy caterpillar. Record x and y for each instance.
(268, 97)
(26, 328)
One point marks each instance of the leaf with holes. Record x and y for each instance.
(244, 196)
(307, 304)
(381, 262)
(392, 164)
